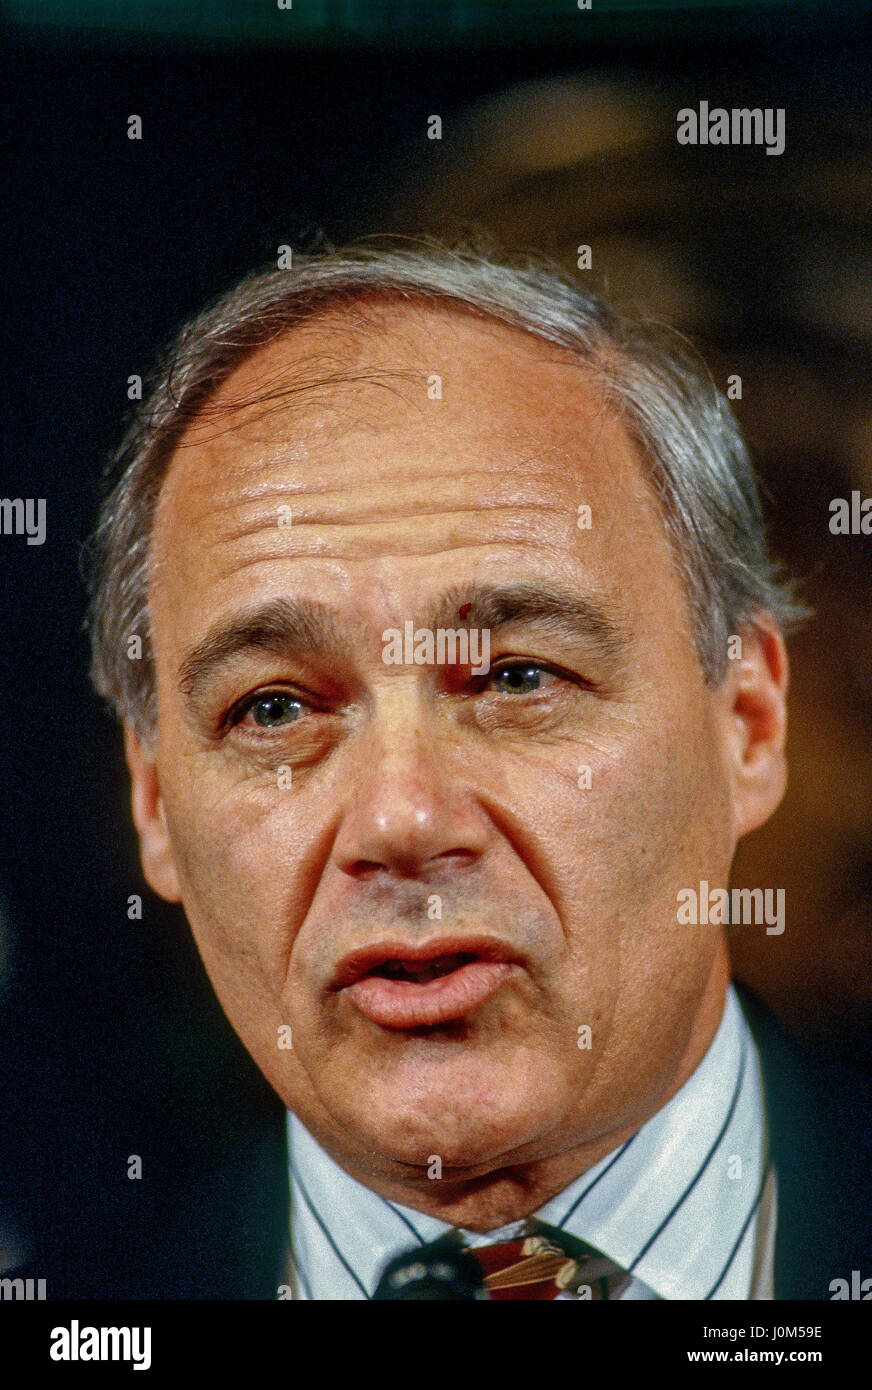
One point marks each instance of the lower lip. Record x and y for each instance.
(397, 1004)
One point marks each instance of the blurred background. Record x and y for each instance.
(263, 127)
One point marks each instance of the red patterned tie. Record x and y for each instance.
(540, 1263)
(546, 1263)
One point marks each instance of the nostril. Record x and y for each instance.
(365, 869)
(455, 858)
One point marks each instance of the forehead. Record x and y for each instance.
(432, 373)
(406, 434)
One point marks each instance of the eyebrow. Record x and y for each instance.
(560, 612)
(281, 625)
(307, 627)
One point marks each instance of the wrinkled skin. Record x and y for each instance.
(414, 780)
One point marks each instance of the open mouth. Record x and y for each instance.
(421, 972)
(424, 986)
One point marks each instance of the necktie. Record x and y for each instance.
(537, 1265)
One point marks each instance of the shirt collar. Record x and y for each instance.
(672, 1205)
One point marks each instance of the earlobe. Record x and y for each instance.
(755, 713)
(155, 850)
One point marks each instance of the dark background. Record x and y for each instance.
(254, 137)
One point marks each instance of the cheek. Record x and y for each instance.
(618, 850)
(667, 827)
(620, 824)
(238, 852)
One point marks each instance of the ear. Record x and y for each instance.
(753, 718)
(155, 852)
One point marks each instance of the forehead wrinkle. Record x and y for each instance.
(222, 482)
(266, 519)
(281, 477)
(377, 552)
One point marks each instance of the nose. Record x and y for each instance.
(411, 811)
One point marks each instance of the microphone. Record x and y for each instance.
(441, 1270)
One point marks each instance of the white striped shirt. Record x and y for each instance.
(687, 1205)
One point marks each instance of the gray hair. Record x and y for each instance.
(689, 441)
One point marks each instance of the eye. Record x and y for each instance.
(521, 678)
(271, 710)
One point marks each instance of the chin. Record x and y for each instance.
(409, 1150)
(465, 1132)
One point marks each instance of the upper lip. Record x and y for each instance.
(358, 963)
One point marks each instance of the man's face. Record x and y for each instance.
(331, 819)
